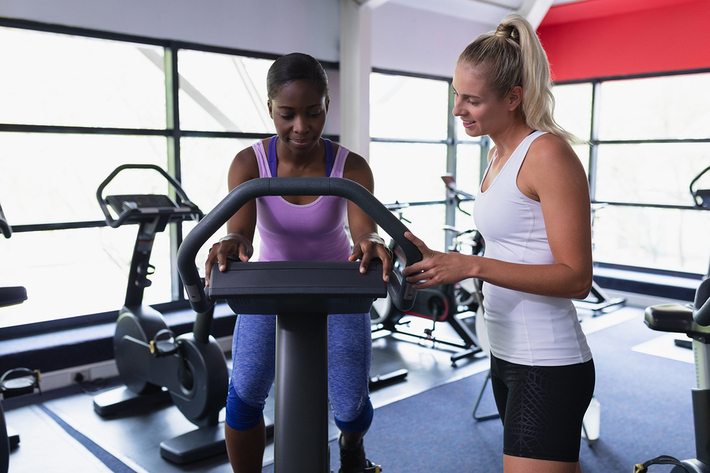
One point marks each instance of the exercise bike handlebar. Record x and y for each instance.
(4, 226)
(401, 291)
(701, 314)
(114, 223)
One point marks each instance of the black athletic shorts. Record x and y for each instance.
(542, 408)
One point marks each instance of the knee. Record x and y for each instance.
(358, 420)
(239, 415)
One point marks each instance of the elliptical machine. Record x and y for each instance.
(695, 323)
(190, 369)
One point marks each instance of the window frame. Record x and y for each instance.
(611, 272)
(451, 141)
(173, 134)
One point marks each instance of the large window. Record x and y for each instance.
(650, 137)
(76, 106)
(414, 143)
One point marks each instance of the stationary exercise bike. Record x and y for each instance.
(17, 381)
(152, 362)
(301, 294)
(695, 323)
(441, 303)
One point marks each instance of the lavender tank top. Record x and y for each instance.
(311, 232)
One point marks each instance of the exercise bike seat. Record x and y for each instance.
(12, 295)
(674, 318)
(286, 287)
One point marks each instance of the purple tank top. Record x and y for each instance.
(311, 232)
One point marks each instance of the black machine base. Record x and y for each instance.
(121, 400)
(200, 443)
(13, 437)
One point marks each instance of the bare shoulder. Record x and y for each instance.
(243, 168)
(551, 147)
(551, 163)
(355, 162)
(357, 169)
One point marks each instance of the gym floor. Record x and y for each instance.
(59, 431)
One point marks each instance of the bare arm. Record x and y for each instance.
(363, 229)
(241, 225)
(553, 175)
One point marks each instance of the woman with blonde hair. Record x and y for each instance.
(533, 210)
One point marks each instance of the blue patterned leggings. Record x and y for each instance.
(253, 371)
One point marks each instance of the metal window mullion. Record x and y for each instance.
(594, 141)
(451, 160)
(172, 123)
(485, 145)
(593, 150)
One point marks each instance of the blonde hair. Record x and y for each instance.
(513, 56)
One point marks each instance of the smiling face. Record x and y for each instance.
(478, 106)
(299, 111)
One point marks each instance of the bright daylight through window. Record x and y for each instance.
(75, 107)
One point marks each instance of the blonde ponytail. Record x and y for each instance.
(514, 57)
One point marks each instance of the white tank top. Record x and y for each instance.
(523, 328)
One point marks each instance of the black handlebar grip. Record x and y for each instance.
(5, 227)
(114, 223)
(701, 313)
(402, 292)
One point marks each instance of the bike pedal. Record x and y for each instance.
(163, 347)
(164, 344)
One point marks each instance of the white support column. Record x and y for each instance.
(355, 67)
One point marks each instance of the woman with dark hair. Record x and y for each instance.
(304, 228)
(533, 210)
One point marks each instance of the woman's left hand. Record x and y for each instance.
(436, 268)
(372, 246)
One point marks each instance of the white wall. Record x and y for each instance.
(403, 38)
(406, 39)
(271, 26)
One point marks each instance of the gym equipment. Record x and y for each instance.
(12, 383)
(692, 321)
(301, 294)
(700, 196)
(441, 303)
(152, 362)
(598, 300)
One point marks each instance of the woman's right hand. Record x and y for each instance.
(233, 245)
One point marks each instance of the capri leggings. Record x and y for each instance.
(349, 357)
(542, 408)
